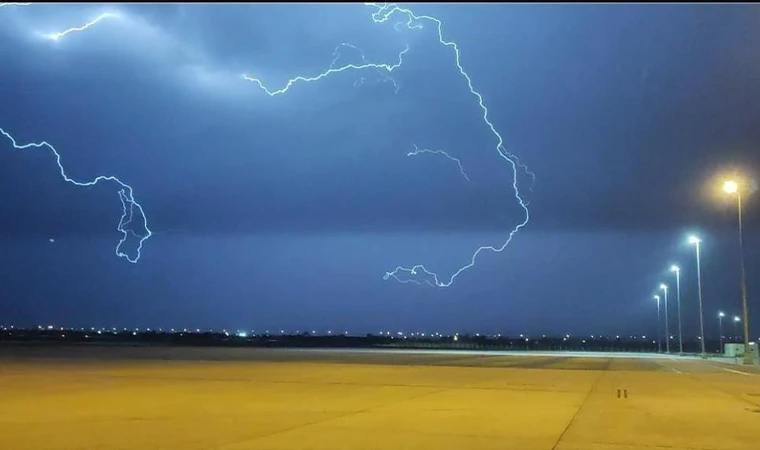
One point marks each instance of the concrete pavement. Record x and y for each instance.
(272, 399)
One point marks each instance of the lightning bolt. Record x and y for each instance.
(130, 207)
(419, 151)
(338, 53)
(57, 36)
(383, 12)
(330, 71)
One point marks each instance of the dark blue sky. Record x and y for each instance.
(286, 211)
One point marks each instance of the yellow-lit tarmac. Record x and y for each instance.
(222, 399)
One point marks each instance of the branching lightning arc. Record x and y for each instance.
(330, 71)
(131, 210)
(337, 54)
(383, 12)
(419, 151)
(58, 35)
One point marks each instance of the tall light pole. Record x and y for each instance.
(732, 187)
(659, 341)
(737, 319)
(677, 271)
(664, 288)
(695, 240)
(720, 330)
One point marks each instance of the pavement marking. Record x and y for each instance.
(577, 411)
(738, 371)
(675, 370)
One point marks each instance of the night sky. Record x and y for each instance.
(285, 212)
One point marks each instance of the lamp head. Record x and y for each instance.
(730, 187)
(675, 269)
(694, 240)
(721, 314)
(664, 287)
(657, 297)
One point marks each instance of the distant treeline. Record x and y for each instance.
(307, 340)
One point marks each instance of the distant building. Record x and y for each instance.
(734, 350)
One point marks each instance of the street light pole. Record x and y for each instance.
(737, 319)
(733, 187)
(678, 298)
(659, 343)
(664, 288)
(695, 240)
(720, 330)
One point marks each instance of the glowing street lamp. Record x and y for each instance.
(732, 187)
(696, 241)
(664, 288)
(720, 329)
(677, 271)
(659, 341)
(737, 320)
